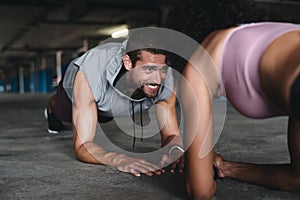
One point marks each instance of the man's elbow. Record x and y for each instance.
(78, 150)
(83, 154)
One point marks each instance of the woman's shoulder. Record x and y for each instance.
(216, 36)
(213, 43)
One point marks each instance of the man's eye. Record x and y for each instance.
(148, 69)
(164, 70)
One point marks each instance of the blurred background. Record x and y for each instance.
(38, 38)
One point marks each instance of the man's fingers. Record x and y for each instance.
(173, 167)
(163, 161)
(146, 168)
(134, 172)
(149, 166)
(181, 166)
(139, 166)
(178, 164)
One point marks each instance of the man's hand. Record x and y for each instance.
(175, 158)
(131, 165)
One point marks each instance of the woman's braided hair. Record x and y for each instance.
(198, 18)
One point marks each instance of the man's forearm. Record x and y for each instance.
(92, 153)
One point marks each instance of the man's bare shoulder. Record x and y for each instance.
(81, 87)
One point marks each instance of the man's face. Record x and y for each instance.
(149, 72)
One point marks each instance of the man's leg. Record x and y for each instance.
(59, 109)
(54, 124)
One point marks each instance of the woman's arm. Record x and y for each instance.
(197, 105)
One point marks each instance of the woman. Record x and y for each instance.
(257, 68)
(259, 64)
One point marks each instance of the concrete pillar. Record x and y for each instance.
(43, 63)
(58, 65)
(32, 86)
(85, 46)
(21, 80)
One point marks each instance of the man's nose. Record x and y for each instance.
(157, 78)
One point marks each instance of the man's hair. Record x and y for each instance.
(146, 39)
(136, 55)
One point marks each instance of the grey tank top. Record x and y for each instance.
(101, 66)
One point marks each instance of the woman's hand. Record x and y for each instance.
(219, 163)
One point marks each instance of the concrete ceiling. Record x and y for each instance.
(33, 27)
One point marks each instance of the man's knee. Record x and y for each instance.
(51, 103)
(295, 185)
(294, 181)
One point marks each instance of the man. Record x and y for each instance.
(114, 80)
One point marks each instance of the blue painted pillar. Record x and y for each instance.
(13, 82)
(43, 75)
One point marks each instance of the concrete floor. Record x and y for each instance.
(36, 165)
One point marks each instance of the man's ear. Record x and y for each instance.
(127, 62)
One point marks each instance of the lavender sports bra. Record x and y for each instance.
(239, 62)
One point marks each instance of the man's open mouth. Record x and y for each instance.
(152, 87)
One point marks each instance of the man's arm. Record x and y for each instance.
(85, 122)
(167, 121)
(84, 128)
(170, 134)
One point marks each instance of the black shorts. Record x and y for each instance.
(295, 98)
(63, 106)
